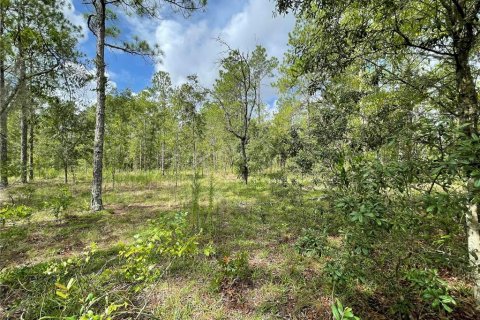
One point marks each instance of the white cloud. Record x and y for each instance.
(192, 47)
(76, 19)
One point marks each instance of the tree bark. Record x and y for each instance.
(113, 178)
(24, 112)
(96, 203)
(473, 239)
(24, 142)
(224, 165)
(31, 142)
(176, 162)
(72, 174)
(463, 42)
(23, 125)
(3, 115)
(244, 165)
(3, 151)
(163, 157)
(65, 171)
(468, 99)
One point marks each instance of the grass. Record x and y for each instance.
(261, 218)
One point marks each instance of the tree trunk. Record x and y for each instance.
(142, 162)
(31, 141)
(3, 116)
(468, 104)
(244, 165)
(163, 157)
(176, 161)
(65, 172)
(96, 203)
(3, 151)
(24, 141)
(194, 160)
(214, 161)
(24, 112)
(113, 178)
(473, 238)
(467, 93)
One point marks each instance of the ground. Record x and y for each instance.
(243, 219)
(262, 220)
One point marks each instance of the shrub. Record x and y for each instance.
(164, 241)
(431, 288)
(234, 268)
(60, 202)
(311, 243)
(13, 213)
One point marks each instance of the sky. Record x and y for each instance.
(190, 44)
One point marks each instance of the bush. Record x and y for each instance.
(311, 243)
(431, 288)
(234, 269)
(60, 202)
(169, 240)
(14, 213)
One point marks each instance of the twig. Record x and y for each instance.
(141, 310)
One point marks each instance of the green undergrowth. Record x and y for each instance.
(267, 250)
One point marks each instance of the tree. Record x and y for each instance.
(237, 91)
(283, 131)
(216, 142)
(436, 40)
(118, 128)
(97, 24)
(36, 39)
(161, 92)
(187, 99)
(64, 131)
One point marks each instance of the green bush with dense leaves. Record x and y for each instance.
(164, 241)
(15, 213)
(60, 202)
(311, 242)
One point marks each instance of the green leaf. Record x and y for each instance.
(61, 294)
(477, 183)
(89, 297)
(61, 286)
(447, 308)
(336, 314)
(340, 305)
(70, 283)
(348, 313)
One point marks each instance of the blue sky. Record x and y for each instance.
(189, 44)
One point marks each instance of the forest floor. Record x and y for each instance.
(262, 220)
(247, 219)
